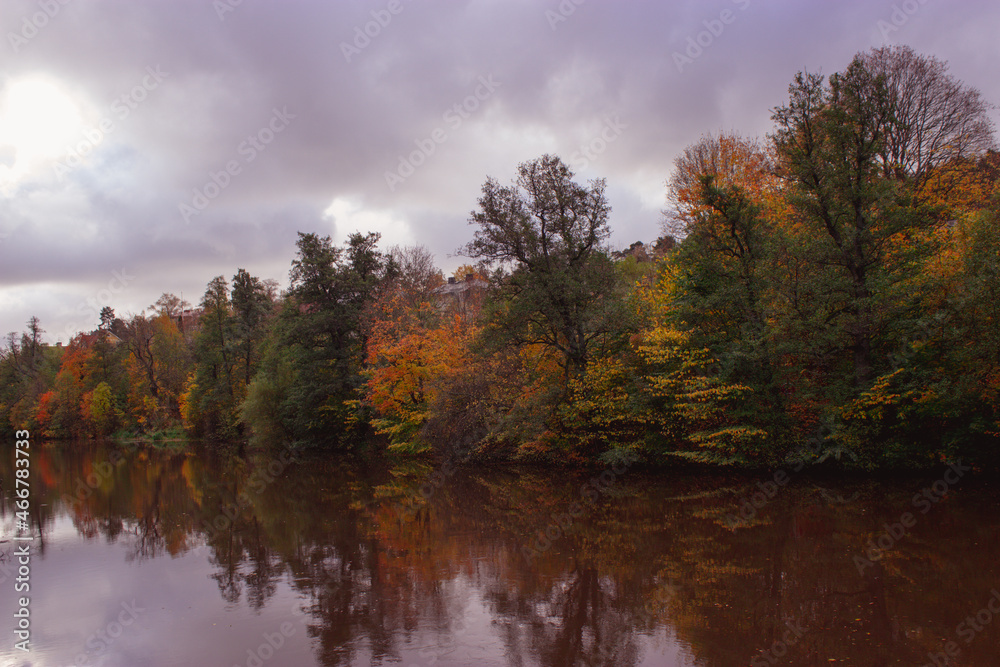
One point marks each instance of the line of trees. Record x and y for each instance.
(834, 283)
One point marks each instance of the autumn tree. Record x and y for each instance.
(973, 339)
(859, 154)
(719, 188)
(829, 139)
(314, 360)
(415, 275)
(549, 232)
(70, 385)
(137, 334)
(465, 270)
(412, 348)
(732, 161)
(172, 361)
(170, 305)
(939, 395)
(27, 371)
(413, 353)
(724, 191)
(107, 318)
(935, 118)
(99, 411)
(251, 305)
(156, 361)
(209, 405)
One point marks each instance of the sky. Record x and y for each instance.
(149, 146)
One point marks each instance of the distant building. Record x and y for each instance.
(636, 250)
(462, 297)
(188, 319)
(644, 253)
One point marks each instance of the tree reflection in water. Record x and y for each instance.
(653, 569)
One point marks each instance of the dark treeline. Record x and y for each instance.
(833, 285)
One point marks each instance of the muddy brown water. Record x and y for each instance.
(157, 558)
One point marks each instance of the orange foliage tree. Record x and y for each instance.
(411, 353)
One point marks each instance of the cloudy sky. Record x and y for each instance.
(147, 146)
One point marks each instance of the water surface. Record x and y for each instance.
(157, 558)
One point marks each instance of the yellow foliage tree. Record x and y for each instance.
(688, 403)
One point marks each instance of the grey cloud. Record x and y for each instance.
(559, 81)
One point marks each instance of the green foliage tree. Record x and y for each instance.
(854, 151)
(227, 352)
(551, 233)
(251, 307)
(28, 369)
(320, 342)
(210, 405)
(725, 260)
(829, 139)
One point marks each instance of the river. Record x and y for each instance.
(156, 558)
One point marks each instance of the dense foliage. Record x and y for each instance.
(834, 285)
